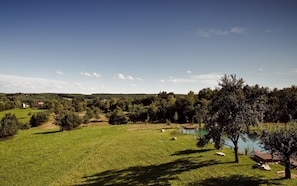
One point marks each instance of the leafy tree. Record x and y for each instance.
(79, 104)
(89, 114)
(9, 125)
(281, 141)
(138, 113)
(231, 112)
(68, 121)
(118, 117)
(282, 105)
(201, 111)
(38, 118)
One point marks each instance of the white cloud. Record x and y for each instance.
(181, 80)
(13, 84)
(121, 76)
(131, 78)
(260, 69)
(189, 72)
(94, 74)
(206, 32)
(237, 30)
(84, 73)
(59, 72)
(210, 79)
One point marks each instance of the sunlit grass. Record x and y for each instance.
(24, 115)
(116, 155)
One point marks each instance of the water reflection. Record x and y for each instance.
(252, 142)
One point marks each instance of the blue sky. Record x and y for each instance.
(123, 46)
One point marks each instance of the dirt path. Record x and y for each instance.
(50, 123)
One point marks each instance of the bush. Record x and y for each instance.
(68, 121)
(9, 125)
(25, 126)
(117, 117)
(39, 118)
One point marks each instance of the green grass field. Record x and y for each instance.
(22, 114)
(123, 155)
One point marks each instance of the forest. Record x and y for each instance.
(164, 107)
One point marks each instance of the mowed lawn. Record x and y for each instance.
(123, 155)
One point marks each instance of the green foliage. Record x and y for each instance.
(9, 125)
(68, 121)
(39, 118)
(282, 105)
(232, 111)
(117, 117)
(22, 114)
(282, 141)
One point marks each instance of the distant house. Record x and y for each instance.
(40, 104)
(24, 105)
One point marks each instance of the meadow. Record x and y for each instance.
(132, 154)
(23, 115)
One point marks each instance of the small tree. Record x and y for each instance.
(68, 121)
(38, 118)
(233, 109)
(117, 117)
(9, 125)
(281, 141)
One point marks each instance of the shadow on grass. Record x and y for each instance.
(235, 180)
(146, 175)
(190, 151)
(49, 132)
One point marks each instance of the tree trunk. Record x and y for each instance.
(287, 170)
(236, 153)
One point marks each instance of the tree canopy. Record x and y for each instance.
(9, 125)
(281, 141)
(68, 121)
(231, 111)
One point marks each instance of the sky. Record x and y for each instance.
(145, 46)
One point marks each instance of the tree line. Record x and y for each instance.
(154, 108)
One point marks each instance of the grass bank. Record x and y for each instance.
(117, 155)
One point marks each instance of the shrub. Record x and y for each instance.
(9, 125)
(117, 117)
(68, 121)
(39, 118)
(25, 126)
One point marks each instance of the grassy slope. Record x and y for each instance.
(114, 155)
(21, 114)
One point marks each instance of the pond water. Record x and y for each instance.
(252, 143)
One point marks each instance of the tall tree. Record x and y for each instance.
(281, 141)
(231, 112)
